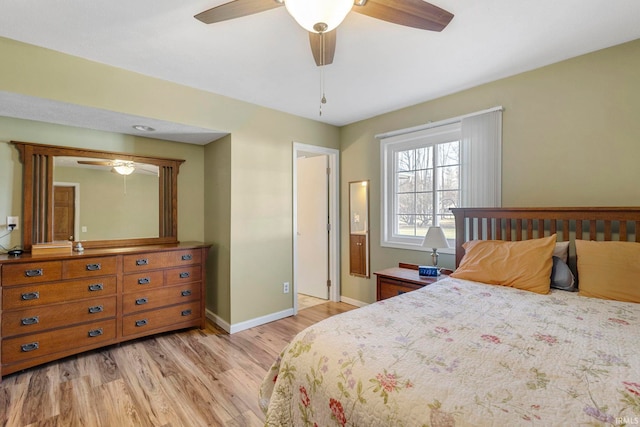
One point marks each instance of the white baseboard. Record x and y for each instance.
(216, 320)
(252, 323)
(232, 329)
(353, 301)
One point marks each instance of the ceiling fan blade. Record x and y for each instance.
(410, 13)
(95, 162)
(236, 9)
(323, 47)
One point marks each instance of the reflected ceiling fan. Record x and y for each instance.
(123, 167)
(321, 17)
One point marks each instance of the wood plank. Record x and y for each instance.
(185, 378)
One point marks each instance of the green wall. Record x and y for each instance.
(571, 137)
(113, 206)
(235, 193)
(190, 189)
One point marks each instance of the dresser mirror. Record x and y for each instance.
(101, 198)
(359, 228)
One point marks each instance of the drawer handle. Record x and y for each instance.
(96, 287)
(34, 273)
(30, 321)
(184, 275)
(144, 281)
(141, 301)
(96, 309)
(142, 322)
(30, 347)
(94, 267)
(186, 293)
(143, 261)
(95, 332)
(187, 257)
(186, 312)
(30, 295)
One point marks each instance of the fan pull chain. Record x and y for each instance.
(323, 99)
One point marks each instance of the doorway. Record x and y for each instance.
(65, 211)
(316, 228)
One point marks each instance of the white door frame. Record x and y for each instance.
(334, 218)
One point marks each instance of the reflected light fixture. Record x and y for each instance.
(435, 239)
(318, 16)
(124, 168)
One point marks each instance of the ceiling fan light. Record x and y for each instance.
(312, 14)
(125, 168)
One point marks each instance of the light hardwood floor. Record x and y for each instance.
(187, 378)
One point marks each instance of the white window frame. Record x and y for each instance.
(389, 147)
(480, 169)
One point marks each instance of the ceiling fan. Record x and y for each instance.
(321, 17)
(123, 167)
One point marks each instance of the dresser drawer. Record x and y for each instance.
(388, 288)
(45, 343)
(185, 257)
(174, 276)
(31, 272)
(156, 298)
(35, 319)
(143, 280)
(144, 261)
(89, 267)
(141, 323)
(35, 295)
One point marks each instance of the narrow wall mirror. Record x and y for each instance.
(359, 228)
(102, 198)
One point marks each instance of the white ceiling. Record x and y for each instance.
(265, 58)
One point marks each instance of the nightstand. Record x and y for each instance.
(398, 280)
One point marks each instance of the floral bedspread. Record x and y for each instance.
(460, 353)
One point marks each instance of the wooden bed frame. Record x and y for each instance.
(515, 224)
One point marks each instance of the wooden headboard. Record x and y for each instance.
(514, 224)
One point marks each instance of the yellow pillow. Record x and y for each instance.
(523, 265)
(609, 270)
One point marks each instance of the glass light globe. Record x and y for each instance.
(318, 16)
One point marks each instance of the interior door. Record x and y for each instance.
(64, 212)
(312, 233)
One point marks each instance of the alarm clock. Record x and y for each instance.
(424, 270)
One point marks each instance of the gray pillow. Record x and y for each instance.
(562, 277)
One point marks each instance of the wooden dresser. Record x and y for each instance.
(394, 281)
(58, 305)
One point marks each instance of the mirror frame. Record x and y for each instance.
(367, 255)
(37, 220)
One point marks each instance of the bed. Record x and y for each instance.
(503, 350)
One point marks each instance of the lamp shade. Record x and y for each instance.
(318, 16)
(435, 238)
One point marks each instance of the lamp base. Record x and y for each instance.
(434, 257)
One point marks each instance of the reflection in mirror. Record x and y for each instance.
(359, 228)
(102, 199)
(141, 209)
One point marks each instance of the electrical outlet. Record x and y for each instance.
(13, 220)
(285, 288)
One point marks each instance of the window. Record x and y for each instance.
(428, 170)
(427, 183)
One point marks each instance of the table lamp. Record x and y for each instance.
(435, 239)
